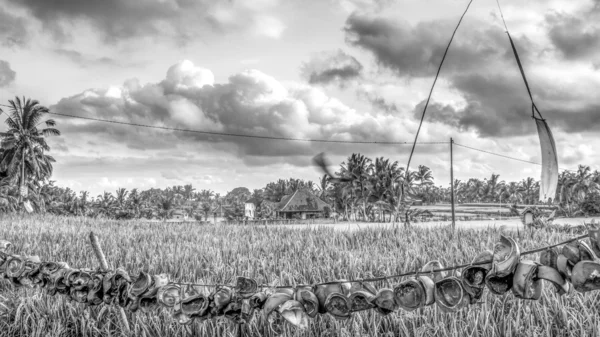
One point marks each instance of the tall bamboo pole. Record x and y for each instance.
(452, 185)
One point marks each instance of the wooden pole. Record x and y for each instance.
(104, 266)
(452, 185)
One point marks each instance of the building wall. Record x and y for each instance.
(250, 210)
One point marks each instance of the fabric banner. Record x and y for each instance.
(549, 180)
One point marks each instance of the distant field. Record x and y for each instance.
(279, 255)
(465, 210)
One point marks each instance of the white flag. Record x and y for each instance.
(549, 180)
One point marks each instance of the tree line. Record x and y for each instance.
(371, 188)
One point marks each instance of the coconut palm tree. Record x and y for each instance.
(24, 143)
(188, 192)
(424, 175)
(121, 197)
(583, 182)
(528, 187)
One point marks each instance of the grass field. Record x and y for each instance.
(279, 255)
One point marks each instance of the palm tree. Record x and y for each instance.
(24, 143)
(188, 192)
(528, 186)
(166, 205)
(424, 175)
(121, 197)
(583, 182)
(83, 202)
(206, 210)
(105, 204)
(358, 168)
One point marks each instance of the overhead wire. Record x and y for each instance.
(240, 135)
(287, 138)
(505, 156)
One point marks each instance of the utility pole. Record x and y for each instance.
(452, 185)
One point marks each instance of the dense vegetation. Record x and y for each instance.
(373, 187)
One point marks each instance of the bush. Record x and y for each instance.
(591, 204)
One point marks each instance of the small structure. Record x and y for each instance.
(219, 213)
(417, 202)
(250, 208)
(180, 214)
(302, 204)
(528, 216)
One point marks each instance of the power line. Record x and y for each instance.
(497, 154)
(239, 135)
(505, 156)
(284, 138)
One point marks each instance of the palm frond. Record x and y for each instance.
(50, 132)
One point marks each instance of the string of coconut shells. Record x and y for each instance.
(574, 266)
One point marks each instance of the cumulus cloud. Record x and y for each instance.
(328, 67)
(498, 106)
(250, 102)
(7, 75)
(13, 31)
(182, 20)
(576, 35)
(481, 69)
(418, 50)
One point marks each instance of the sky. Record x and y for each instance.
(355, 70)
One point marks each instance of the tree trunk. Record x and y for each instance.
(22, 174)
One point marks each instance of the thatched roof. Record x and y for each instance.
(302, 201)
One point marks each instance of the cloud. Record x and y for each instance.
(7, 75)
(181, 20)
(328, 67)
(13, 31)
(576, 35)
(498, 106)
(268, 26)
(351, 6)
(481, 71)
(250, 102)
(417, 50)
(85, 61)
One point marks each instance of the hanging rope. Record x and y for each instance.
(514, 49)
(429, 97)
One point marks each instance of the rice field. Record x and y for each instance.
(277, 256)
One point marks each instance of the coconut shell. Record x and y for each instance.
(196, 305)
(246, 287)
(586, 276)
(552, 275)
(294, 313)
(564, 266)
(526, 285)
(324, 290)
(594, 235)
(549, 257)
(308, 299)
(338, 306)
(385, 301)
(410, 294)
(506, 257)
(434, 265)
(169, 295)
(450, 295)
(274, 301)
(258, 300)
